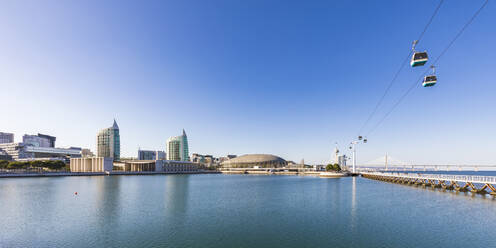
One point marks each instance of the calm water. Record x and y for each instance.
(238, 211)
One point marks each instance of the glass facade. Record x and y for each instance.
(177, 148)
(6, 138)
(174, 149)
(108, 142)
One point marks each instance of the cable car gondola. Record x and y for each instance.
(430, 80)
(418, 58)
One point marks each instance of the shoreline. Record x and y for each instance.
(146, 173)
(113, 173)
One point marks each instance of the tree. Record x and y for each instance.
(4, 164)
(333, 167)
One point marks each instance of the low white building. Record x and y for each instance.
(91, 164)
(137, 165)
(170, 166)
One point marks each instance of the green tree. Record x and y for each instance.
(4, 164)
(333, 167)
(18, 165)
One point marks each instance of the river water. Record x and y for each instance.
(238, 211)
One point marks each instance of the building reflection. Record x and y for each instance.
(108, 199)
(176, 194)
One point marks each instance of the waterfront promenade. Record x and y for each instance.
(461, 183)
(111, 173)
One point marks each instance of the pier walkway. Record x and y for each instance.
(463, 183)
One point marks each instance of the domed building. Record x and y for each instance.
(255, 160)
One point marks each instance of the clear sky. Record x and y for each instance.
(289, 78)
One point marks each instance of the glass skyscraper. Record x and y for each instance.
(177, 148)
(108, 142)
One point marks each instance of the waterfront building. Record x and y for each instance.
(294, 165)
(27, 151)
(167, 166)
(255, 161)
(93, 164)
(108, 142)
(40, 140)
(222, 159)
(138, 165)
(203, 159)
(151, 155)
(6, 138)
(15, 150)
(177, 148)
(179, 166)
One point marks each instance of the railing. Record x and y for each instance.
(439, 177)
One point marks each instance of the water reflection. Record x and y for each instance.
(353, 204)
(108, 199)
(176, 194)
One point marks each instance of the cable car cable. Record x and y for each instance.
(426, 71)
(405, 61)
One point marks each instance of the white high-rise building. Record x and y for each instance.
(108, 142)
(177, 148)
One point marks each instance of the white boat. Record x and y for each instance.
(333, 174)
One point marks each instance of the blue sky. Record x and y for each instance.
(284, 77)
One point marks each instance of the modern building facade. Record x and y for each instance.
(151, 155)
(207, 160)
(108, 142)
(166, 166)
(40, 140)
(255, 161)
(179, 166)
(93, 164)
(177, 148)
(6, 138)
(138, 165)
(27, 151)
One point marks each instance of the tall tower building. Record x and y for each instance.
(177, 148)
(109, 142)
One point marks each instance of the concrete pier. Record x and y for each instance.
(461, 183)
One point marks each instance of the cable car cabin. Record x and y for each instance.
(418, 59)
(429, 81)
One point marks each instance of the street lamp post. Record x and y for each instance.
(352, 147)
(354, 155)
